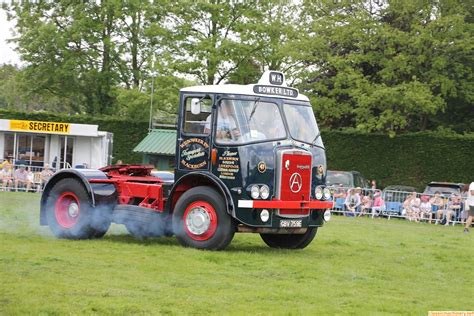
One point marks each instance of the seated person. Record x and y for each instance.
(425, 208)
(226, 129)
(352, 203)
(378, 204)
(6, 177)
(47, 173)
(21, 178)
(436, 202)
(340, 192)
(412, 207)
(31, 176)
(366, 205)
(452, 208)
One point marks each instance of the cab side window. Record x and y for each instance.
(197, 120)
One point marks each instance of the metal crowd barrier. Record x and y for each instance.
(395, 205)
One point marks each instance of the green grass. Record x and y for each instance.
(355, 266)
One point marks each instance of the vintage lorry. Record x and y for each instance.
(249, 158)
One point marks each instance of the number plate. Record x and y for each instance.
(290, 223)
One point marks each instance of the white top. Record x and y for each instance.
(425, 207)
(470, 196)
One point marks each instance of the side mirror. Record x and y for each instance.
(195, 106)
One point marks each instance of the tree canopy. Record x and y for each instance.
(389, 66)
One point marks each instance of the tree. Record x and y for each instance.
(83, 51)
(384, 66)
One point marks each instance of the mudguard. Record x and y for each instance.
(213, 179)
(100, 193)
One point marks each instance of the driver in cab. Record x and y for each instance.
(227, 129)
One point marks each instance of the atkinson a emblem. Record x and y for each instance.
(296, 182)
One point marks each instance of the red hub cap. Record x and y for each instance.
(67, 210)
(200, 220)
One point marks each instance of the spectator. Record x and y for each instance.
(119, 162)
(379, 204)
(21, 178)
(436, 204)
(352, 202)
(366, 204)
(425, 208)
(46, 174)
(453, 205)
(373, 185)
(454, 208)
(340, 192)
(470, 204)
(31, 176)
(412, 207)
(5, 163)
(6, 177)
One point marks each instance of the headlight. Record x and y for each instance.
(264, 215)
(264, 192)
(254, 192)
(327, 216)
(318, 193)
(327, 194)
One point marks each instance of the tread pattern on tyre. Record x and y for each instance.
(89, 225)
(290, 241)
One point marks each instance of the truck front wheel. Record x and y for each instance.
(70, 213)
(290, 241)
(200, 220)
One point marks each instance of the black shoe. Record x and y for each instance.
(466, 230)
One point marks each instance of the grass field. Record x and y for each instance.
(354, 266)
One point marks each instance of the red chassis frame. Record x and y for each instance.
(135, 182)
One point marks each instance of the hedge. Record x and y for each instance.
(409, 159)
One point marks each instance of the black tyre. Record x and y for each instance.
(200, 220)
(70, 214)
(290, 241)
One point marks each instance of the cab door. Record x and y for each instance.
(194, 135)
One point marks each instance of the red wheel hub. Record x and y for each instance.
(67, 209)
(200, 220)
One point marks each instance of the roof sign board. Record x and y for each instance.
(272, 90)
(276, 78)
(273, 83)
(42, 127)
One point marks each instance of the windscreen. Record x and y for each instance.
(445, 190)
(338, 178)
(302, 123)
(246, 121)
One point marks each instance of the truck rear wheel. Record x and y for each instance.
(290, 241)
(200, 220)
(70, 213)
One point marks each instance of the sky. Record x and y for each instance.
(7, 54)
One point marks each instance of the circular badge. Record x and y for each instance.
(262, 167)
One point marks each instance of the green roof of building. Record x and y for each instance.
(159, 142)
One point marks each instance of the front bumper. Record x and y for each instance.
(248, 212)
(278, 204)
